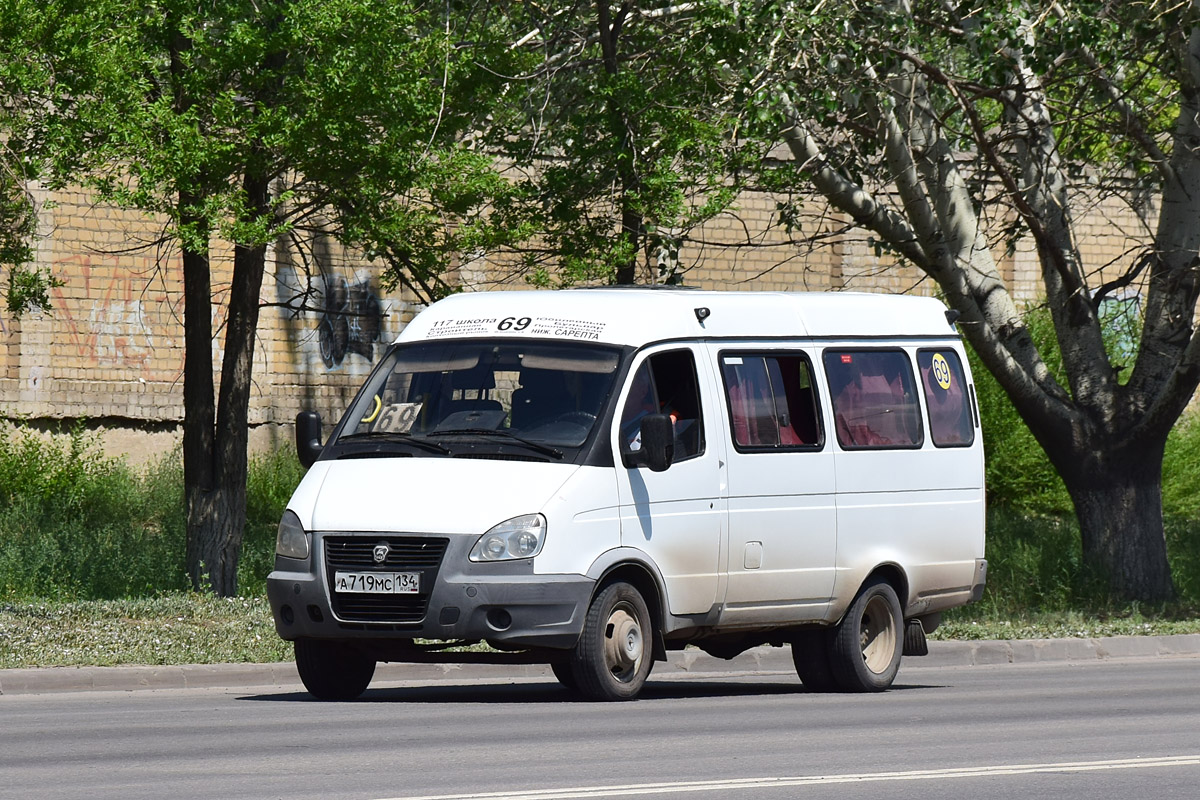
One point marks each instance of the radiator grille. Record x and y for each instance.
(405, 554)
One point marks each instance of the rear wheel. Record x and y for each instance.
(810, 654)
(612, 659)
(867, 644)
(332, 670)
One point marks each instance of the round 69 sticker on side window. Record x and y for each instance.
(941, 370)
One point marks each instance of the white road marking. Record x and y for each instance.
(575, 793)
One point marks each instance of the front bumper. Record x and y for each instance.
(502, 602)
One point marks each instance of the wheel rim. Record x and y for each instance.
(623, 650)
(877, 635)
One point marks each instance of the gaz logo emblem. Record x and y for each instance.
(381, 553)
(941, 370)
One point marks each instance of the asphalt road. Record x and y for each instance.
(1099, 729)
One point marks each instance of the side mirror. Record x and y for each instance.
(658, 444)
(308, 437)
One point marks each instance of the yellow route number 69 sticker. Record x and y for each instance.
(941, 370)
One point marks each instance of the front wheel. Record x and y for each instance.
(867, 644)
(562, 671)
(613, 658)
(332, 670)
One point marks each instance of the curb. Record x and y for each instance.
(757, 661)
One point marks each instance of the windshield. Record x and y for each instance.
(536, 394)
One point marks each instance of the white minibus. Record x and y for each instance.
(590, 478)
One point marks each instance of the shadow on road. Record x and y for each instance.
(551, 692)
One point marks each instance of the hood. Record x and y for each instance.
(432, 495)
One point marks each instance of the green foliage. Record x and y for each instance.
(618, 135)
(75, 525)
(1033, 545)
(1181, 504)
(1035, 562)
(1181, 469)
(1035, 566)
(29, 289)
(272, 479)
(355, 112)
(1019, 475)
(251, 119)
(17, 218)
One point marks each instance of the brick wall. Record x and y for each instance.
(111, 347)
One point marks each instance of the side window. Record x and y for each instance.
(665, 383)
(946, 397)
(772, 401)
(874, 399)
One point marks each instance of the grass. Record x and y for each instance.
(967, 624)
(200, 629)
(173, 629)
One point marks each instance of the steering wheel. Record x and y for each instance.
(583, 418)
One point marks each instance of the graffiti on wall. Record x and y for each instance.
(110, 318)
(351, 322)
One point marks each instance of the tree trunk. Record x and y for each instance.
(216, 486)
(621, 131)
(1118, 501)
(198, 409)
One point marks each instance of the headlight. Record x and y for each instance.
(292, 540)
(519, 537)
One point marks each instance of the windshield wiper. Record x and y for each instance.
(541, 448)
(397, 436)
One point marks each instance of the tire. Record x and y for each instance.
(613, 657)
(810, 654)
(562, 671)
(332, 670)
(868, 642)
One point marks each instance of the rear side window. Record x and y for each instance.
(772, 401)
(946, 397)
(874, 399)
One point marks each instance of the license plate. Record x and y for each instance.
(377, 582)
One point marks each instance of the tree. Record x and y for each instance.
(247, 121)
(619, 149)
(18, 220)
(19, 84)
(946, 130)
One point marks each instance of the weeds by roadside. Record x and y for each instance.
(172, 629)
(76, 525)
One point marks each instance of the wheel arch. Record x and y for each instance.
(895, 576)
(626, 565)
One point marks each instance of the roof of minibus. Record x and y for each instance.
(638, 316)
